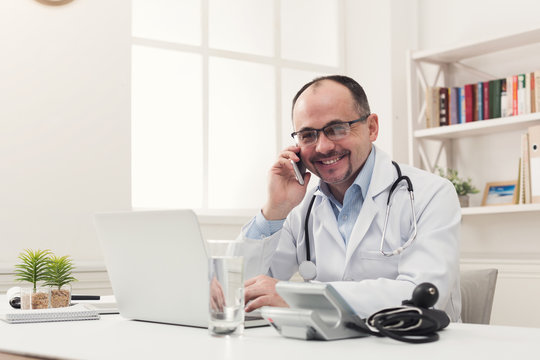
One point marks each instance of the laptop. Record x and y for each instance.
(158, 266)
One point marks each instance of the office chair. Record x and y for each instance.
(477, 290)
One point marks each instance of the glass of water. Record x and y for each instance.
(226, 281)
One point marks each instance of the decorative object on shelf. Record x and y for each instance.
(500, 193)
(33, 269)
(59, 277)
(463, 187)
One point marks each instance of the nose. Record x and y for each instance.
(324, 144)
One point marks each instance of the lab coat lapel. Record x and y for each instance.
(382, 178)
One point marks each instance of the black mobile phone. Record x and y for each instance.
(299, 170)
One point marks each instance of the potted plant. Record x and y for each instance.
(33, 269)
(463, 187)
(59, 277)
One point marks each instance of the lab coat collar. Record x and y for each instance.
(383, 176)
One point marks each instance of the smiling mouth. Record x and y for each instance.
(331, 161)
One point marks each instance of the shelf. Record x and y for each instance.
(482, 127)
(501, 209)
(469, 50)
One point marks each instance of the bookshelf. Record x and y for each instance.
(426, 145)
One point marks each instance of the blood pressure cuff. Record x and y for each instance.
(409, 323)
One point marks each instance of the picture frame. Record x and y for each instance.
(500, 193)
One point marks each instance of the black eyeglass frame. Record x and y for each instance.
(323, 129)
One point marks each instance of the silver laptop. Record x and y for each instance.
(158, 266)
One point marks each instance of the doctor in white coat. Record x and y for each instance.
(334, 133)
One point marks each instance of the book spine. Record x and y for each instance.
(495, 94)
(509, 96)
(429, 107)
(461, 105)
(521, 94)
(435, 106)
(527, 94)
(537, 90)
(469, 100)
(533, 93)
(454, 105)
(480, 101)
(485, 98)
(443, 107)
(504, 101)
(515, 95)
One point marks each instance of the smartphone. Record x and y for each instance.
(299, 170)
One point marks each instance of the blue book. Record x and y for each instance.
(480, 101)
(461, 105)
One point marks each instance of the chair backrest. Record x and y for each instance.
(477, 290)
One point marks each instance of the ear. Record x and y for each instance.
(373, 126)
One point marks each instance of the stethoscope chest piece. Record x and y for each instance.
(307, 270)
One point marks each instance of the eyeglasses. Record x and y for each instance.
(334, 132)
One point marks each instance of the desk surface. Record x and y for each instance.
(113, 337)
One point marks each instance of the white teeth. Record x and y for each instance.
(330, 162)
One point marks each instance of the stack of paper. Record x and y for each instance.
(70, 313)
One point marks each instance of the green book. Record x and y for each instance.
(495, 98)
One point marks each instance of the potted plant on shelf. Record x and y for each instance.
(463, 187)
(59, 277)
(33, 269)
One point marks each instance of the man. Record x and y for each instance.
(334, 131)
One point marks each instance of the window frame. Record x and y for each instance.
(236, 215)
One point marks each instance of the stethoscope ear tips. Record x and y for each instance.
(307, 270)
(425, 295)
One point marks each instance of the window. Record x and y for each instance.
(212, 84)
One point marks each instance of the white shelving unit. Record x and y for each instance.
(440, 61)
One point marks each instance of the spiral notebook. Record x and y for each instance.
(70, 313)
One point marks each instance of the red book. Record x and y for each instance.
(515, 94)
(469, 102)
(485, 88)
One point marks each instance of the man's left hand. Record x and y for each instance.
(261, 291)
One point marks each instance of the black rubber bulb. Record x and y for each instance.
(425, 295)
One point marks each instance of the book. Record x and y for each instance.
(537, 90)
(70, 313)
(480, 100)
(475, 104)
(462, 105)
(485, 98)
(521, 94)
(495, 99)
(527, 94)
(509, 96)
(515, 95)
(469, 103)
(443, 107)
(454, 105)
(524, 172)
(504, 101)
(533, 93)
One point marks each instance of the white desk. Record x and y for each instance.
(113, 337)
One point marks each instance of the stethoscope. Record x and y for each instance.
(308, 269)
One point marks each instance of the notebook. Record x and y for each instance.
(158, 266)
(70, 313)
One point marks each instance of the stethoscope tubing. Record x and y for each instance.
(395, 184)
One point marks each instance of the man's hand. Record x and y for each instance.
(284, 191)
(261, 291)
(217, 300)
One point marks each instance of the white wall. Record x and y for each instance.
(65, 123)
(378, 34)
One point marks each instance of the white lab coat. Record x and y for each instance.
(366, 279)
